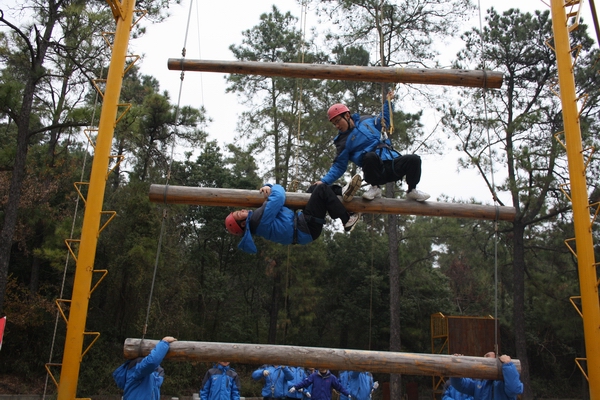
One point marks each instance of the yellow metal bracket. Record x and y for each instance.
(119, 158)
(567, 195)
(135, 58)
(577, 361)
(47, 366)
(77, 188)
(571, 299)
(597, 210)
(98, 88)
(68, 243)
(558, 134)
(60, 309)
(104, 273)
(120, 116)
(112, 214)
(89, 138)
(569, 246)
(105, 36)
(143, 12)
(96, 337)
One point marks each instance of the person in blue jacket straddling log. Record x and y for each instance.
(360, 140)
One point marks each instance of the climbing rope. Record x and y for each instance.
(293, 187)
(168, 177)
(494, 195)
(295, 181)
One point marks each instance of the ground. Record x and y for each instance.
(12, 384)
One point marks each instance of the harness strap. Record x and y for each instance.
(295, 241)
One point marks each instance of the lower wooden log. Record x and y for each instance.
(334, 359)
(252, 198)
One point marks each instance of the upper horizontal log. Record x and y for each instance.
(252, 199)
(335, 359)
(426, 76)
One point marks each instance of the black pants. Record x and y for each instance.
(377, 172)
(323, 200)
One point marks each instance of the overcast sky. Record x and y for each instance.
(214, 27)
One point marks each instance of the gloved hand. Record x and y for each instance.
(307, 394)
(375, 385)
(292, 389)
(266, 372)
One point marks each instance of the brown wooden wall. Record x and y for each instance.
(471, 336)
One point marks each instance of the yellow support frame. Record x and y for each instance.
(82, 286)
(584, 245)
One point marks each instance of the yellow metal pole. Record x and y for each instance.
(588, 280)
(67, 386)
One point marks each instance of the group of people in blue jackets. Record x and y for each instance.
(299, 383)
(142, 377)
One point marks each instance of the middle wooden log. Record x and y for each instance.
(252, 198)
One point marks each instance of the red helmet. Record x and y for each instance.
(336, 110)
(232, 226)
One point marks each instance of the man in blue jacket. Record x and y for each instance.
(275, 222)
(359, 384)
(276, 380)
(141, 378)
(502, 389)
(359, 140)
(322, 381)
(299, 375)
(220, 383)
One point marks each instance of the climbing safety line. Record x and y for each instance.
(494, 195)
(168, 177)
(295, 181)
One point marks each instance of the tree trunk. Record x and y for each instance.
(14, 192)
(519, 306)
(22, 122)
(395, 345)
(274, 308)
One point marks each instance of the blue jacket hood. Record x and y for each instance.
(247, 242)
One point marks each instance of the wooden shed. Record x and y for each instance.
(466, 335)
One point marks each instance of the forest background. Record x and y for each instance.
(373, 289)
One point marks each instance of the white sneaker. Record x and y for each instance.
(351, 188)
(417, 195)
(354, 218)
(374, 191)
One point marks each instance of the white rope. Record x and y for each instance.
(495, 197)
(164, 216)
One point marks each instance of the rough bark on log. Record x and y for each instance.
(426, 76)
(335, 359)
(252, 198)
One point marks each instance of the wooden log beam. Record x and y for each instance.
(335, 359)
(426, 76)
(252, 198)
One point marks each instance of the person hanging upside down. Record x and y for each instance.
(277, 223)
(359, 140)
